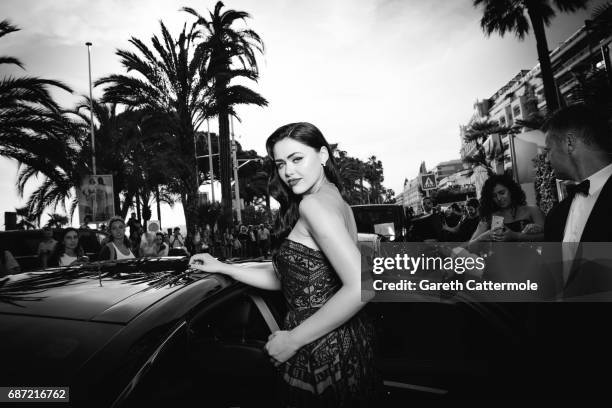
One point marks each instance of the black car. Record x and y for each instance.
(23, 244)
(154, 332)
(387, 220)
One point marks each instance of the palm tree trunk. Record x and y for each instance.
(116, 198)
(158, 205)
(361, 183)
(138, 207)
(550, 88)
(190, 208)
(225, 169)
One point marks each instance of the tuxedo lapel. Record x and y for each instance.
(554, 227)
(599, 225)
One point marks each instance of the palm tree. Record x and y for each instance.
(229, 46)
(351, 173)
(504, 16)
(33, 129)
(478, 133)
(27, 221)
(172, 89)
(57, 221)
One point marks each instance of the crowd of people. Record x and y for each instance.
(241, 241)
(501, 214)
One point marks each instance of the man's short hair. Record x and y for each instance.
(433, 202)
(589, 125)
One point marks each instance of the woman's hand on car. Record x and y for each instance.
(206, 263)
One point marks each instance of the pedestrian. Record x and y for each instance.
(161, 246)
(148, 245)
(463, 231)
(68, 252)
(46, 246)
(177, 240)
(118, 247)
(133, 223)
(503, 198)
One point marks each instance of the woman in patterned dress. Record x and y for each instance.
(325, 351)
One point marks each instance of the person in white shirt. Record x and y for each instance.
(118, 247)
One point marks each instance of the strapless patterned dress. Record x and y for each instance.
(336, 370)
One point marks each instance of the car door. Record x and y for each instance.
(226, 351)
(214, 356)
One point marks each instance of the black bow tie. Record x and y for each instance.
(582, 188)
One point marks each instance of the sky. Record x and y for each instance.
(389, 78)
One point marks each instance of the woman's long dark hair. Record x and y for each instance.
(488, 205)
(288, 214)
(60, 247)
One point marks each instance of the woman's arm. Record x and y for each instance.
(532, 233)
(482, 233)
(330, 233)
(260, 276)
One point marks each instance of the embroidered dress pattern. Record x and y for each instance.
(336, 370)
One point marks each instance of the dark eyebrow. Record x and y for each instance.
(289, 157)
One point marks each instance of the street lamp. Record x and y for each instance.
(93, 139)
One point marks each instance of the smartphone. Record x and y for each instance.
(497, 221)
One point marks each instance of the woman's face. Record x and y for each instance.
(501, 196)
(159, 239)
(299, 166)
(117, 230)
(71, 240)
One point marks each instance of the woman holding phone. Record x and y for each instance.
(324, 352)
(504, 215)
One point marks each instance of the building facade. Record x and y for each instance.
(521, 100)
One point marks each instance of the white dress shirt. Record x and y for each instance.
(579, 213)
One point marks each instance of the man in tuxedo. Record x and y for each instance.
(570, 340)
(579, 148)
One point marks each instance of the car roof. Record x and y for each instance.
(111, 292)
(375, 205)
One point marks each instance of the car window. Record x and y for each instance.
(165, 380)
(226, 353)
(383, 220)
(237, 320)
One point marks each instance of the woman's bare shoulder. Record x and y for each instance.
(534, 210)
(321, 204)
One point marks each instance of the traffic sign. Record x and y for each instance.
(428, 181)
